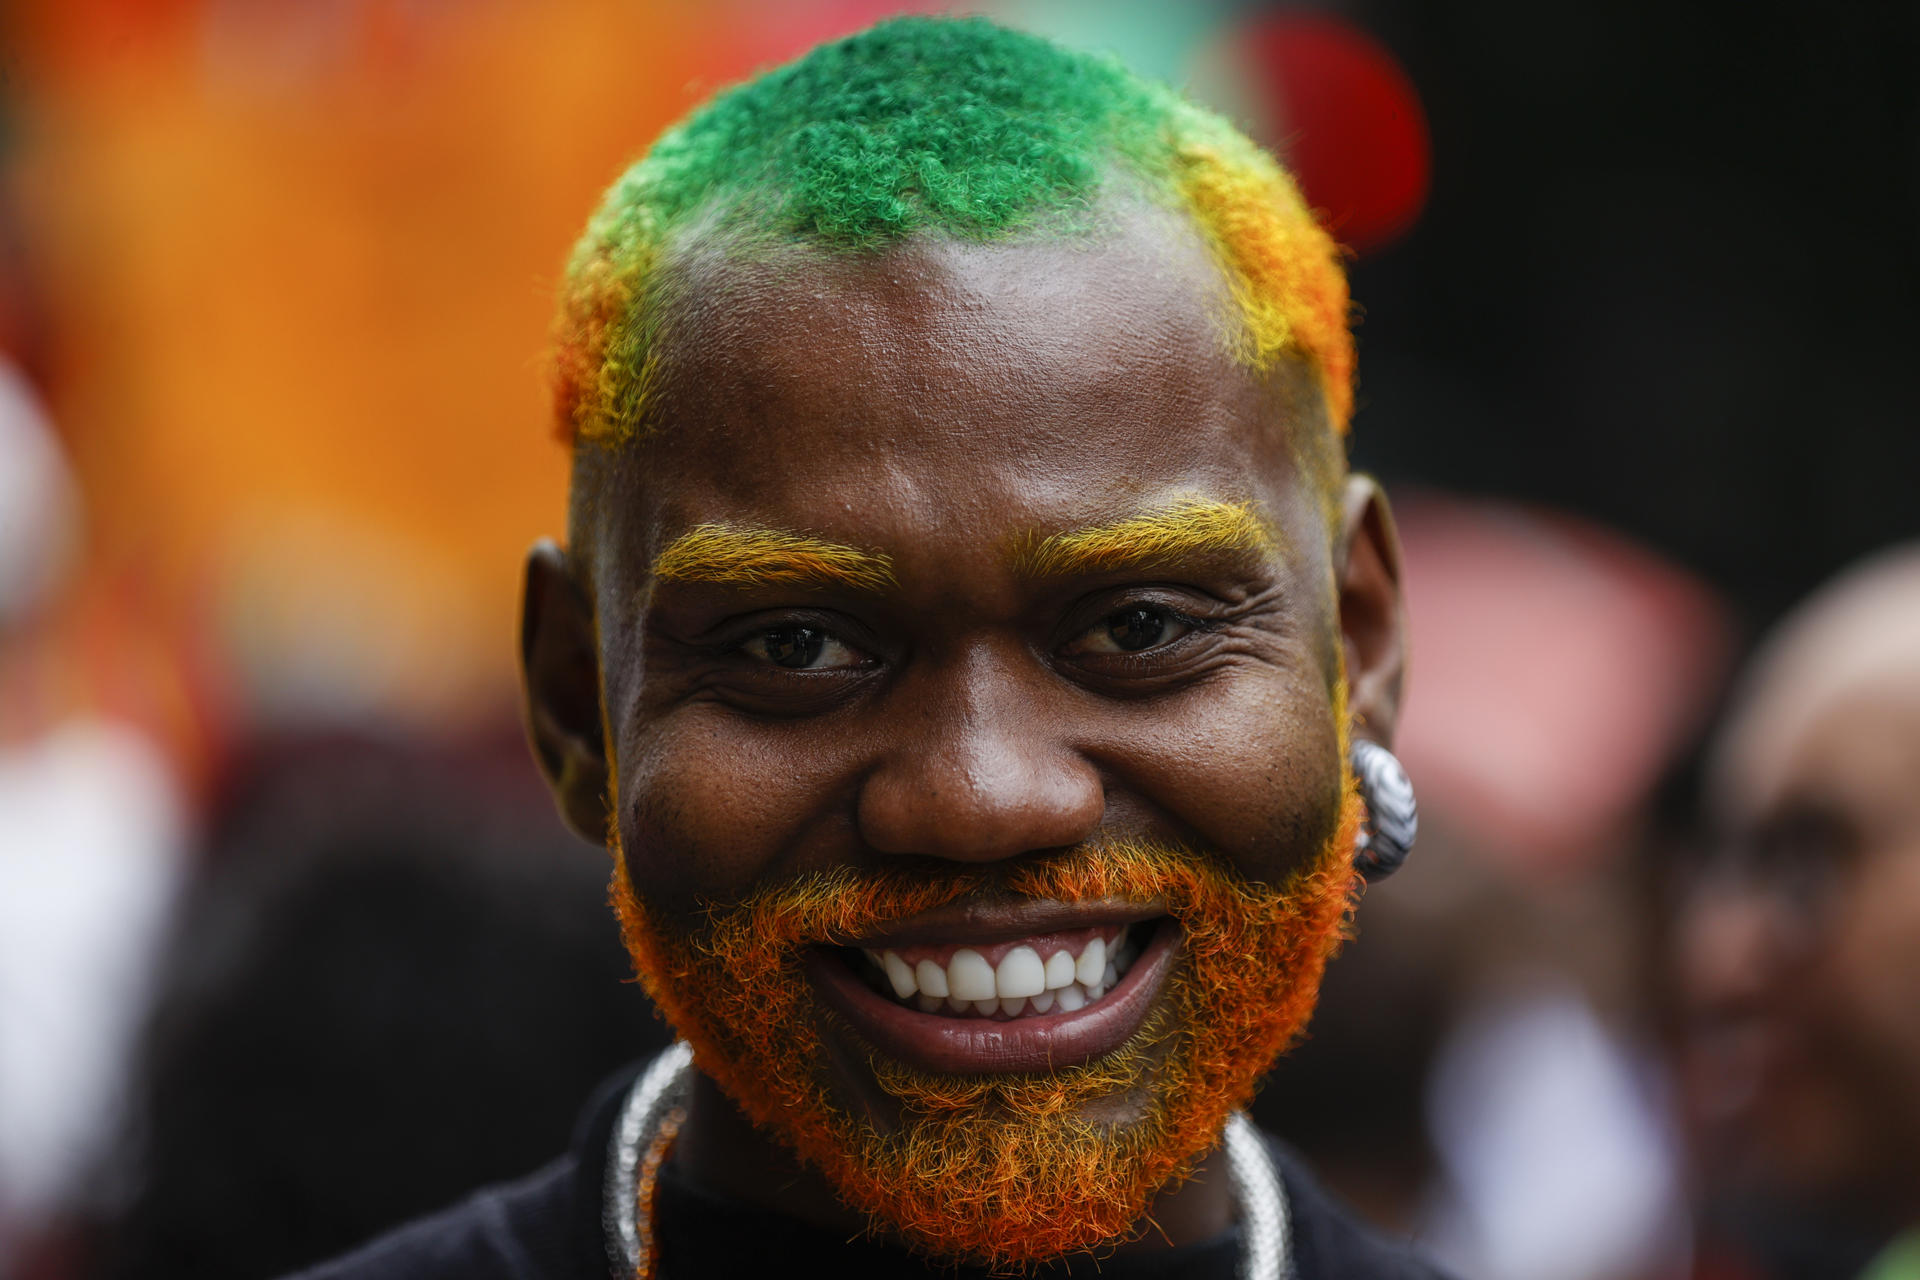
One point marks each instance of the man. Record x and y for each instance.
(964, 615)
(1800, 949)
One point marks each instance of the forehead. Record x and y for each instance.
(1836, 718)
(942, 389)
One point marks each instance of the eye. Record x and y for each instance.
(1130, 630)
(800, 648)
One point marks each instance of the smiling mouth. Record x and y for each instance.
(1030, 977)
(1042, 1002)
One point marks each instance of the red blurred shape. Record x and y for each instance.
(1555, 667)
(1347, 119)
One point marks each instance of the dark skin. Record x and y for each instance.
(936, 403)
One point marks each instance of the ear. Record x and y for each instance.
(1373, 615)
(560, 666)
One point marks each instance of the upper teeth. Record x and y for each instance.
(969, 983)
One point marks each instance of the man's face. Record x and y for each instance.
(969, 601)
(1801, 957)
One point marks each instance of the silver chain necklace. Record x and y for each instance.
(661, 1092)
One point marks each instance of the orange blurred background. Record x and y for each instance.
(296, 267)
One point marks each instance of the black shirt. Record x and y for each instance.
(548, 1227)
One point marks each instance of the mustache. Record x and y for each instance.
(838, 904)
(834, 907)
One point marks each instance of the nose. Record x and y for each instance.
(1739, 945)
(978, 769)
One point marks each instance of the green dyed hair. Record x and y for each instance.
(954, 127)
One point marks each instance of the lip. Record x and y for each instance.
(981, 1046)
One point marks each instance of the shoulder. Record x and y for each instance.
(1330, 1243)
(545, 1226)
(515, 1231)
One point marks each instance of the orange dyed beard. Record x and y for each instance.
(1006, 1169)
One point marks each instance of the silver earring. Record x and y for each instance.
(1393, 820)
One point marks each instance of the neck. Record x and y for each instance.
(722, 1152)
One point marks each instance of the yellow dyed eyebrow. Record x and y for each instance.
(748, 555)
(1191, 526)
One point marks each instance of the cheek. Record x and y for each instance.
(1251, 767)
(709, 808)
(1876, 958)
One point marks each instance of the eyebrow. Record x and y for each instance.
(752, 555)
(1187, 527)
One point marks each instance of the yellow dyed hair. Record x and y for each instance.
(741, 555)
(1193, 526)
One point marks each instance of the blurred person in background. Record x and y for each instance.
(1798, 948)
(93, 833)
(377, 995)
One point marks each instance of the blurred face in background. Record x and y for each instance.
(1800, 949)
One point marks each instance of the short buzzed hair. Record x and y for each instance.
(953, 127)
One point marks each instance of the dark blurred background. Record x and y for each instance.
(1666, 277)
(291, 944)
